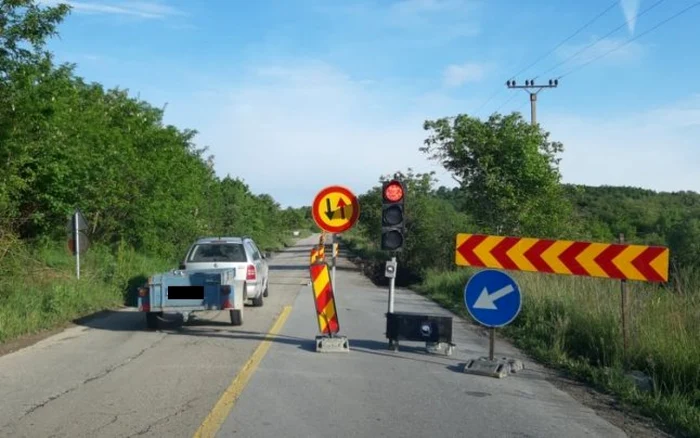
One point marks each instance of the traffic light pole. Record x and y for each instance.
(392, 237)
(392, 282)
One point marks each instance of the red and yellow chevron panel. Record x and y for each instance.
(324, 299)
(606, 260)
(318, 254)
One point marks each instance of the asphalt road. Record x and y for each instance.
(373, 392)
(112, 378)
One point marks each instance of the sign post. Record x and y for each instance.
(76, 236)
(335, 260)
(335, 209)
(77, 242)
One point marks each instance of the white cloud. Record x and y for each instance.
(657, 149)
(630, 52)
(456, 75)
(141, 9)
(289, 130)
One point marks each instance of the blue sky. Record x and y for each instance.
(295, 95)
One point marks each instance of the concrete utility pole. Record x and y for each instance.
(529, 87)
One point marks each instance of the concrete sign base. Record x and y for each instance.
(439, 348)
(336, 344)
(499, 367)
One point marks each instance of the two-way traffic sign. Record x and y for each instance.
(335, 209)
(492, 298)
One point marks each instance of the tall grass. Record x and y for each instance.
(575, 323)
(39, 289)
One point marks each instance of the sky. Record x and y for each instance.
(295, 95)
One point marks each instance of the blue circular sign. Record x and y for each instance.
(492, 298)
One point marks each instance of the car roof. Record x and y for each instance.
(223, 239)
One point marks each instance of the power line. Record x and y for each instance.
(582, 28)
(512, 96)
(579, 30)
(497, 92)
(601, 38)
(683, 11)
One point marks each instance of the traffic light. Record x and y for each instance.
(393, 226)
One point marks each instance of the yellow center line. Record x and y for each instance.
(210, 426)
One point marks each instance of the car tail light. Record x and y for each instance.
(225, 289)
(250, 273)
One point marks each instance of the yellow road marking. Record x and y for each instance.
(210, 426)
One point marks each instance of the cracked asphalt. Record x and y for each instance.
(111, 377)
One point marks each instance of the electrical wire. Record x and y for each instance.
(602, 38)
(580, 29)
(497, 92)
(512, 96)
(683, 11)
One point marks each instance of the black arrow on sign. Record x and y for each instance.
(329, 212)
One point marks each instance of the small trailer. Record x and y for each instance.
(185, 292)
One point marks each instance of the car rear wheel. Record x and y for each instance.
(152, 320)
(258, 302)
(267, 291)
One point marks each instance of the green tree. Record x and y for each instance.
(24, 30)
(508, 171)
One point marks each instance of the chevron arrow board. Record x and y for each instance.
(590, 259)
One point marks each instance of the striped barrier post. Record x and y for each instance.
(324, 299)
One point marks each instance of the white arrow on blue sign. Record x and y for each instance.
(492, 298)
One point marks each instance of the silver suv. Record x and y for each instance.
(240, 253)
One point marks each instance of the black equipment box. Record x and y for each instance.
(410, 326)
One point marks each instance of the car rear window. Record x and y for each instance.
(218, 252)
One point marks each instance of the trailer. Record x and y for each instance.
(186, 292)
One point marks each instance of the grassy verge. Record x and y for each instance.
(39, 290)
(573, 324)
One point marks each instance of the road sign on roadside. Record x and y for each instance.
(492, 298)
(83, 243)
(335, 209)
(618, 261)
(82, 223)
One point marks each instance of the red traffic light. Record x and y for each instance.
(393, 192)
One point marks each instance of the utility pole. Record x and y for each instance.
(529, 87)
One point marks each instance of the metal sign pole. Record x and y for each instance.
(335, 260)
(76, 240)
(392, 281)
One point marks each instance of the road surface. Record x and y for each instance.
(110, 377)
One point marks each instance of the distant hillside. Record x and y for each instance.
(644, 216)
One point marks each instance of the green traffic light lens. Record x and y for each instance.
(392, 216)
(392, 240)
